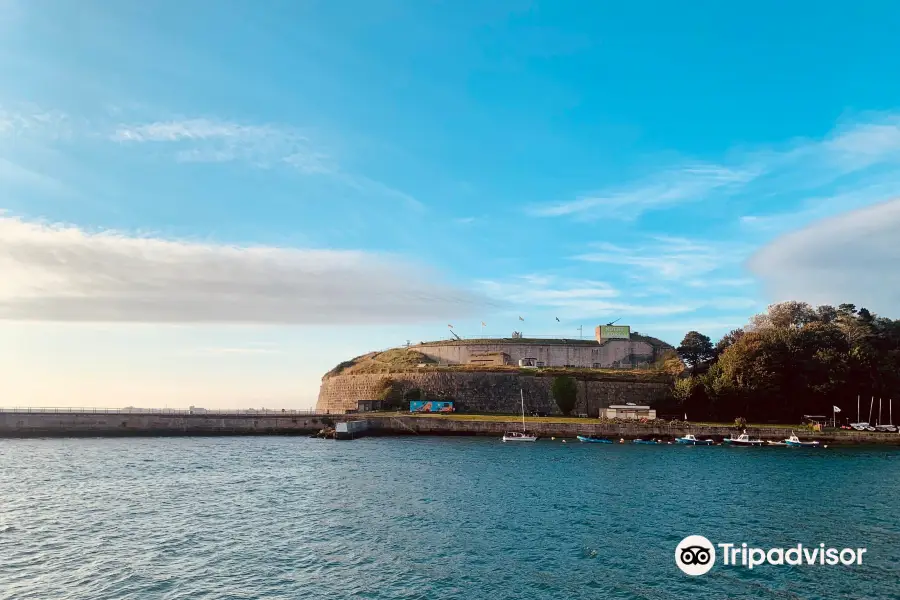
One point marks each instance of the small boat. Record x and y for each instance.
(520, 436)
(593, 440)
(771, 443)
(795, 442)
(743, 440)
(888, 428)
(861, 426)
(644, 442)
(692, 440)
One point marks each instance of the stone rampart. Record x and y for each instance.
(487, 392)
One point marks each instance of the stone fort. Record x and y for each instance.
(484, 391)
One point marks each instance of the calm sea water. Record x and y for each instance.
(275, 517)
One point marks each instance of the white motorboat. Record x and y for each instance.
(743, 440)
(796, 442)
(859, 426)
(520, 436)
(691, 440)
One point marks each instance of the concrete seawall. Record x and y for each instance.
(447, 426)
(72, 424)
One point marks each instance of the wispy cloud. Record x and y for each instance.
(851, 150)
(572, 298)
(264, 146)
(689, 183)
(666, 257)
(206, 140)
(62, 273)
(34, 122)
(850, 258)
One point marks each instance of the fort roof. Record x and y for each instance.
(496, 341)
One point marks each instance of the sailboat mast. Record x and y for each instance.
(857, 408)
(878, 422)
(522, 393)
(871, 404)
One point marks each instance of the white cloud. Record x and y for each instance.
(668, 257)
(261, 146)
(689, 183)
(572, 298)
(849, 258)
(57, 273)
(849, 151)
(207, 140)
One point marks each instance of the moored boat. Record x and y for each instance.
(520, 436)
(644, 442)
(691, 440)
(593, 440)
(798, 443)
(743, 440)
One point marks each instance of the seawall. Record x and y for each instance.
(109, 424)
(492, 392)
(440, 425)
(99, 424)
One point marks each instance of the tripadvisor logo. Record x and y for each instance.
(696, 555)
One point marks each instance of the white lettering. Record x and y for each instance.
(832, 556)
(810, 558)
(744, 554)
(757, 557)
(822, 554)
(859, 553)
(726, 548)
(848, 556)
(778, 558)
(797, 552)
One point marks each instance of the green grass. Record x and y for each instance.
(556, 419)
(495, 418)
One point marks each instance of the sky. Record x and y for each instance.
(213, 202)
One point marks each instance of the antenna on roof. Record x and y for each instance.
(614, 322)
(456, 336)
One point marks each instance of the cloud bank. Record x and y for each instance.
(61, 273)
(850, 258)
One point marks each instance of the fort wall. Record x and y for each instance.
(486, 392)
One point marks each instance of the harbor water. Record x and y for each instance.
(420, 517)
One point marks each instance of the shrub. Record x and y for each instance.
(565, 393)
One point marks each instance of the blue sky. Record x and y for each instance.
(213, 203)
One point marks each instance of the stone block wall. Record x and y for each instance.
(488, 392)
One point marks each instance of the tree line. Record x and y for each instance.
(790, 361)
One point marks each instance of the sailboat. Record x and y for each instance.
(520, 436)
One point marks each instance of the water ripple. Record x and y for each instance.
(222, 518)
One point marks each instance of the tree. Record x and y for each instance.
(565, 392)
(728, 340)
(696, 349)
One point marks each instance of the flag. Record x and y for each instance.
(483, 324)
(450, 326)
(521, 319)
(557, 319)
(836, 409)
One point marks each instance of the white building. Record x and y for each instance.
(629, 411)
